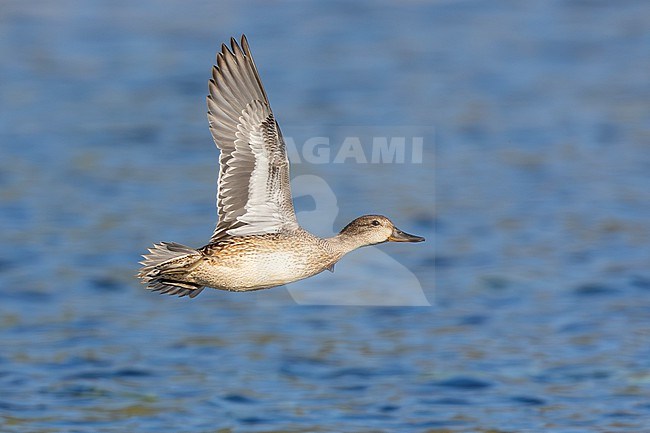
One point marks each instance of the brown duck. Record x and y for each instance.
(258, 242)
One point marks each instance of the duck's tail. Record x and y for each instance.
(165, 269)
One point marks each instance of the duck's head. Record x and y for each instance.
(375, 229)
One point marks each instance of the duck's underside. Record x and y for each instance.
(236, 264)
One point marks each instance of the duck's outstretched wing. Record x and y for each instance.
(253, 194)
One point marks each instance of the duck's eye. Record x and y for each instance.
(375, 223)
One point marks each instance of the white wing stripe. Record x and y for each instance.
(254, 194)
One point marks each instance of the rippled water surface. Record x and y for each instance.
(533, 193)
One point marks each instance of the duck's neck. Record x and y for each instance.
(342, 244)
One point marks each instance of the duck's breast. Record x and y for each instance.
(257, 269)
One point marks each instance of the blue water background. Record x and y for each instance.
(533, 193)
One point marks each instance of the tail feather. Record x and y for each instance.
(165, 266)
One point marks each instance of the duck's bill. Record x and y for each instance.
(400, 236)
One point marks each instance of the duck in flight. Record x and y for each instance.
(258, 243)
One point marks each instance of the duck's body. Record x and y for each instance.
(262, 261)
(257, 243)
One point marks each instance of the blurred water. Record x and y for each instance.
(536, 260)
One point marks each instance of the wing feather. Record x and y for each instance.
(253, 194)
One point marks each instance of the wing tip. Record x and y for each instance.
(241, 46)
(244, 44)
